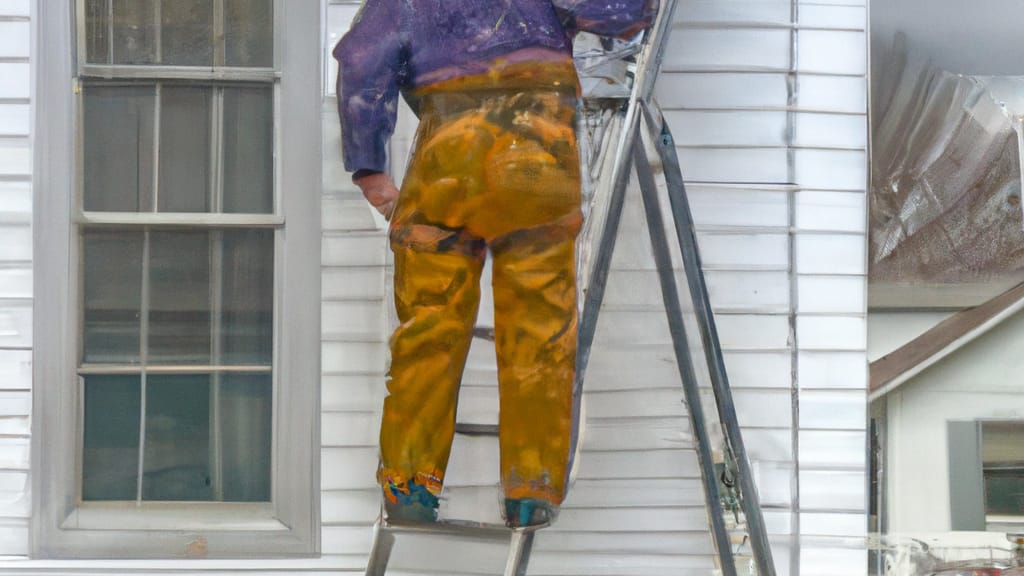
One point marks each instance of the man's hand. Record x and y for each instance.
(380, 191)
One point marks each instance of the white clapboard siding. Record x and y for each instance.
(15, 277)
(744, 124)
(831, 170)
(354, 352)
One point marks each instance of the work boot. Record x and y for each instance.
(409, 503)
(529, 512)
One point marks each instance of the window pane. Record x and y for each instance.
(248, 150)
(186, 28)
(182, 34)
(179, 314)
(245, 427)
(1004, 492)
(176, 461)
(1003, 461)
(184, 149)
(97, 31)
(1002, 442)
(134, 32)
(249, 32)
(118, 167)
(110, 459)
(248, 308)
(112, 271)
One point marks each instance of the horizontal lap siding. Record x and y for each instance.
(354, 350)
(354, 276)
(830, 209)
(15, 276)
(776, 161)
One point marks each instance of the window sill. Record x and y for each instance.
(190, 516)
(999, 523)
(337, 564)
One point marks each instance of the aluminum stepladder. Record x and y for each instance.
(735, 470)
(635, 113)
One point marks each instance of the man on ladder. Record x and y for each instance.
(495, 169)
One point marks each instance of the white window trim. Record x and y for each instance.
(289, 526)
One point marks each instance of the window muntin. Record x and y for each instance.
(177, 327)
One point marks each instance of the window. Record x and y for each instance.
(986, 475)
(1002, 461)
(190, 236)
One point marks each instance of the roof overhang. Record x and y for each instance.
(892, 370)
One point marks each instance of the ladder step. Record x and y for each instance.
(484, 332)
(467, 429)
(466, 528)
(520, 540)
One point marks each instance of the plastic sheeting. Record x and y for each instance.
(982, 553)
(946, 179)
(605, 64)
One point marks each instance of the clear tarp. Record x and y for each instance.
(962, 554)
(946, 178)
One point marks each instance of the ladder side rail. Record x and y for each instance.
(594, 296)
(520, 546)
(649, 61)
(380, 552)
(691, 387)
(683, 221)
(647, 67)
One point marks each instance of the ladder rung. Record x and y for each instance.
(484, 332)
(467, 429)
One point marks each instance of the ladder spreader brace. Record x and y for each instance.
(630, 153)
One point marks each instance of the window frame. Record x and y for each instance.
(967, 490)
(63, 527)
(995, 522)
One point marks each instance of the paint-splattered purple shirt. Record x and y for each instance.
(396, 44)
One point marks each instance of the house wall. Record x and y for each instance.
(768, 102)
(888, 330)
(981, 380)
(15, 273)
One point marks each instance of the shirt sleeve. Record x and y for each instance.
(619, 18)
(370, 67)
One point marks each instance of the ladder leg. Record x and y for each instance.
(683, 220)
(519, 552)
(594, 295)
(677, 329)
(383, 542)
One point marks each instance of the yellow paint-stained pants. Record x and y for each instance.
(495, 170)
